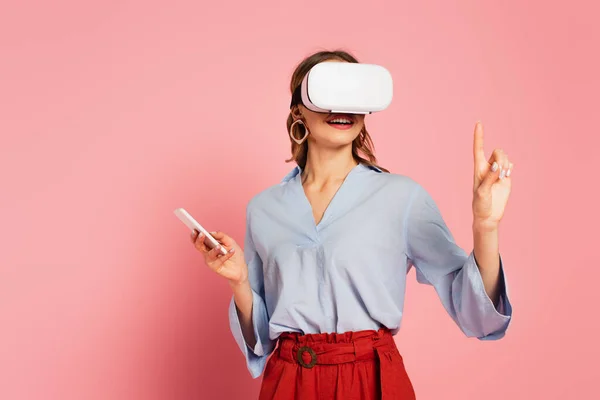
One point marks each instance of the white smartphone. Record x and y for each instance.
(191, 223)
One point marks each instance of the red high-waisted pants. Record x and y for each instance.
(362, 365)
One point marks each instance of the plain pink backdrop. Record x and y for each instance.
(114, 113)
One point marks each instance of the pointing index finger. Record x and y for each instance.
(478, 151)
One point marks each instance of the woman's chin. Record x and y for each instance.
(333, 143)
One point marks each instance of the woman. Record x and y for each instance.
(320, 283)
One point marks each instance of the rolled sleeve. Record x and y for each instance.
(255, 357)
(440, 262)
(475, 311)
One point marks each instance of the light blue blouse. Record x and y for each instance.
(348, 272)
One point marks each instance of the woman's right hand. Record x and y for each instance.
(231, 266)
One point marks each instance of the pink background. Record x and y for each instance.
(112, 114)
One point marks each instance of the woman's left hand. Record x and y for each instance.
(491, 184)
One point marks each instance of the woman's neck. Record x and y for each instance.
(325, 166)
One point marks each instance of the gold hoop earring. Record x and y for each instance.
(299, 141)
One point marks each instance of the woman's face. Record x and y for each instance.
(332, 130)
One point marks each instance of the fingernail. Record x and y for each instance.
(218, 247)
(508, 173)
(494, 167)
(502, 174)
(231, 250)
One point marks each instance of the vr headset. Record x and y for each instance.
(346, 88)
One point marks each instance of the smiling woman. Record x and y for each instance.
(324, 299)
(307, 124)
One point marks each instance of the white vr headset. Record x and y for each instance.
(347, 88)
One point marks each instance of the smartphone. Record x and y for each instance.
(191, 223)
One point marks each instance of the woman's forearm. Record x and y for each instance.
(242, 296)
(487, 256)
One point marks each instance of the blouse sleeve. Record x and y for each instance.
(256, 357)
(440, 262)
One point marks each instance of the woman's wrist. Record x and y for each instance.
(239, 284)
(484, 227)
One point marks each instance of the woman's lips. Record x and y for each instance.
(348, 118)
(341, 126)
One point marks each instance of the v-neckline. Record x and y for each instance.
(327, 211)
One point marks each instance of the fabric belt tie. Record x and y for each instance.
(381, 345)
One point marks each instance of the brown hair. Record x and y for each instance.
(363, 144)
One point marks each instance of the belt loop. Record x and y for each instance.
(362, 349)
(287, 349)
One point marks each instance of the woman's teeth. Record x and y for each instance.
(340, 121)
